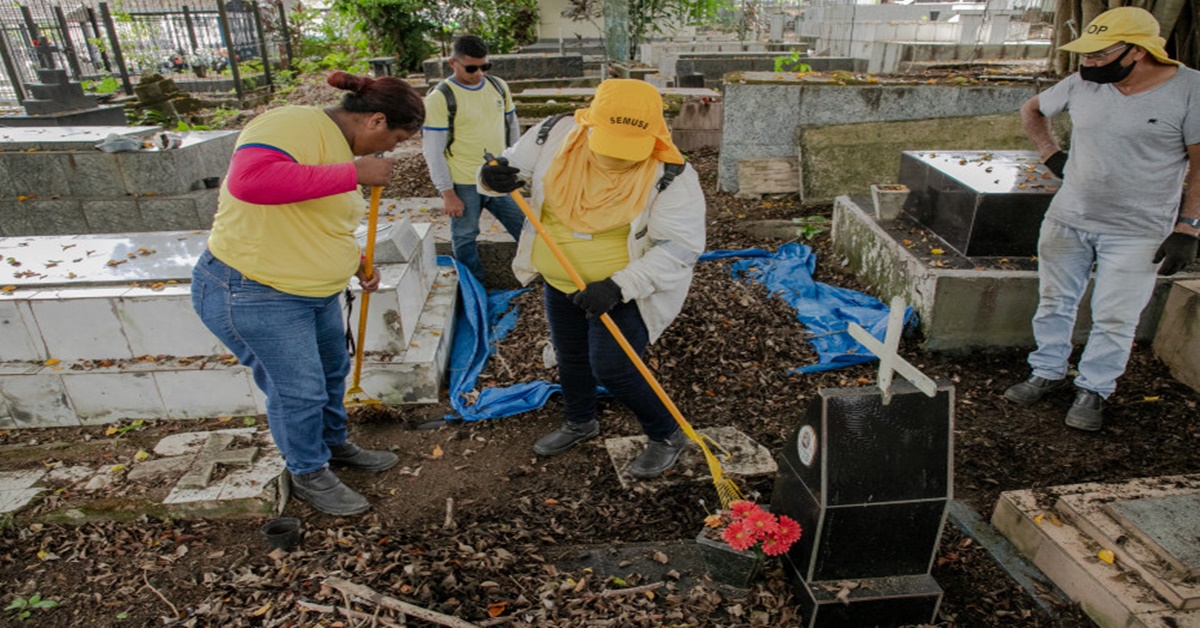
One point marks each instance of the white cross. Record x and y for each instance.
(887, 352)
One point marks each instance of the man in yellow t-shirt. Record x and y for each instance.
(484, 119)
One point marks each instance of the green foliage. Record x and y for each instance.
(811, 226)
(328, 40)
(791, 63)
(222, 115)
(23, 608)
(397, 27)
(184, 127)
(505, 25)
(106, 85)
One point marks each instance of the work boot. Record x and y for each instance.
(1033, 389)
(658, 456)
(325, 492)
(350, 455)
(566, 437)
(1087, 413)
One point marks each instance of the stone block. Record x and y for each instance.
(517, 66)
(43, 174)
(747, 458)
(17, 489)
(768, 176)
(81, 323)
(37, 400)
(848, 158)
(112, 215)
(417, 375)
(108, 397)
(162, 322)
(20, 338)
(170, 213)
(1177, 342)
(199, 394)
(42, 216)
(96, 175)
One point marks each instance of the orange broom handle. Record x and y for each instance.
(368, 271)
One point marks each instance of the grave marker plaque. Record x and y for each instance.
(981, 203)
(869, 484)
(868, 475)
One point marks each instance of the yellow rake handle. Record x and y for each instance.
(369, 270)
(713, 464)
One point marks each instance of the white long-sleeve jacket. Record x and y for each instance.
(665, 239)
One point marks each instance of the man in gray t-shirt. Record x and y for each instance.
(1135, 116)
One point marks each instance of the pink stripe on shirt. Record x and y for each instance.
(266, 176)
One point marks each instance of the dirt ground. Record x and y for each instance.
(490, 556)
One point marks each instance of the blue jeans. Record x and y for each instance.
(295, 347)
(1124, 281)
(587, 353)
(464, 230)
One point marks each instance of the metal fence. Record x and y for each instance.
(206, 42)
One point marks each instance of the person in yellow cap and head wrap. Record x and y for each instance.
(1135, 115)
(615, 194)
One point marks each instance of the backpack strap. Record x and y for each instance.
(451, 109)
(670, 171)
(509, 140)
(544, 130)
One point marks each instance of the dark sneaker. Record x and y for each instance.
(326, 493)
(565, 437)
(658, 456)
(1087, 413)
(1033, 389)
(355, 457)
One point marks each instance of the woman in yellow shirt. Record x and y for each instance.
(282, 248)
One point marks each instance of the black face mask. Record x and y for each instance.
(1111, 72)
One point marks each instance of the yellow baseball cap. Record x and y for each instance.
(626, 122)
(1130, 25)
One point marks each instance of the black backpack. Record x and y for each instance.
(670, 171)
(452, 109)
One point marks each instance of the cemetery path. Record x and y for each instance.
(515, 520)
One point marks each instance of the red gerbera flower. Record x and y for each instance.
(739, 536)
(773, 546)
(763, 523)
(789, 530)
(740, 509)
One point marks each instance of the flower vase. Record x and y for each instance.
(727, 565)
(888, 200)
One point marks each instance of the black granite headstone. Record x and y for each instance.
(869, 484)
(981, 203)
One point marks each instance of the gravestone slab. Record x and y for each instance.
(67, 137)
(98, 259)
(845, 471)
(981, 203)
(1170, 526)
(17, 489)
(747, 458)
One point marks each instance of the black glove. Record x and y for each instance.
(1179, 250)
(1056, 163)
(500, 177)
(598, 297)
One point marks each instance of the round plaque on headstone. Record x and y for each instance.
(806, 445)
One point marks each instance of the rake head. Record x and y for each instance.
(356, 396)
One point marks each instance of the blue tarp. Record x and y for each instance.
(824, 310)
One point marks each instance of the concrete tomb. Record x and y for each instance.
(981, 203)
(1127, 552)
(868, 475)
(53, 181)
(100, 328)
(58, 101)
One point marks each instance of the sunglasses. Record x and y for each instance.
(471, 69)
